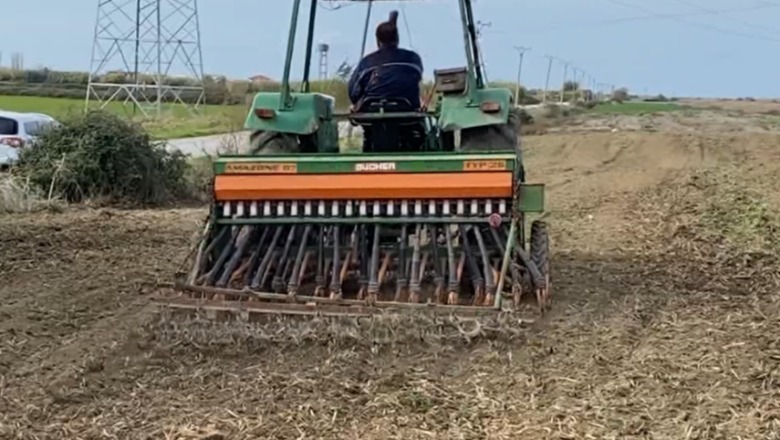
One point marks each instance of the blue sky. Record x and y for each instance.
(675, 47)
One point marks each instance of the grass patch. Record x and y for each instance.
(231, 119)
(17, 197)
(537, 121)
(636, 108)
(176, 121)
(735, 214)
(722, 210)
(717, 227)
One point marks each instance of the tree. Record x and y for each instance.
(620, 95)
(344, 71)
(571, 86)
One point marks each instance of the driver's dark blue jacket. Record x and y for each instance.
(390, 72)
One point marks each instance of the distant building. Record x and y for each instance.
(260, 79)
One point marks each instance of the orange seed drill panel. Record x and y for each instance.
(363, 186)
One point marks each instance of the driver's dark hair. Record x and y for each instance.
(387, 32)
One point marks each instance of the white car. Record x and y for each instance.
(18, 130)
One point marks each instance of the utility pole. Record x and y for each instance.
(600, 91)
(521, 50)
(591, 80)
(563, 84)
(481, 25)
(582, 86)
(547, 81)
(575, 82)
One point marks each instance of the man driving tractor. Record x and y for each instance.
(390, 72)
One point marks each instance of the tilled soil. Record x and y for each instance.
(665, 322)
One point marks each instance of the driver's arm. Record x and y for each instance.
(417, 60)
(355, 86)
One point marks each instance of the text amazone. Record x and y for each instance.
(261, 168)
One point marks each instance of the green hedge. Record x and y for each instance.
(218, 89)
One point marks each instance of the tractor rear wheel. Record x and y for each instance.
(271, 142)
(540, 255)
(496, 137)
(492, 137)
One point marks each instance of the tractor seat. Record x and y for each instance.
(372, 109)
(390, 125)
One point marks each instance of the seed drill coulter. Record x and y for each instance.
(429, 215)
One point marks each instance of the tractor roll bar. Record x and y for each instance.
(475, 77)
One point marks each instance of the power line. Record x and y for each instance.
(715, 12)
(687, 15)
(406, 23)
(334, 7)
(653, 16)
(695, 23)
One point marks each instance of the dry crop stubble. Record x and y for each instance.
(664, 324)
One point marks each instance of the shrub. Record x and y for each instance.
(199, 177)
(100, 155)
(554, 111)
(524, 117)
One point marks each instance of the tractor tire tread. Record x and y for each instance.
(504, 136)
(271, 142)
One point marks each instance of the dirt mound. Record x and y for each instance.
(591, 177)
(665, 322)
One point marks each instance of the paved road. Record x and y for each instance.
(236, 142)
(231, 142)
(210, 145)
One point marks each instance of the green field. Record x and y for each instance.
(636, 108)
(176, 121)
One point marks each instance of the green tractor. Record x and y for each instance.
(430, 215)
